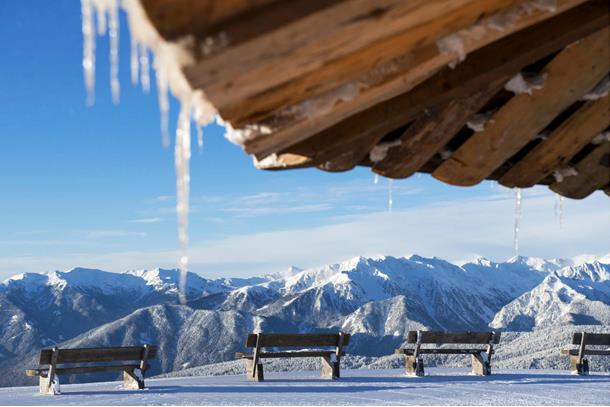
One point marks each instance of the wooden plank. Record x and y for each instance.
(179, 18)
(295, 354)
(426, 65)
(592, 339)
(324, 37)
(83, 369)
(593, 173)
(594, 352)
(561, 145)
(504, 57)
(439, 337)
(96, 354)
(569, 76)
(440, 351)
(385, 69)
(284, 340)
(430, 133)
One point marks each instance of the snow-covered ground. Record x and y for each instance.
(358, 387)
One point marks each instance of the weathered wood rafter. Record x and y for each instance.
(569, 76)
(391, 84)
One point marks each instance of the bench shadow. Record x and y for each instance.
(240, 389)
(516, 378)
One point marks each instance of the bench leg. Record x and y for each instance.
(133, 380)
(581, 369)
(45, 386)
(330, 368)
(480, 364)
(259, 375)
(414, 366)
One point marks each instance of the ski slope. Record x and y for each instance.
(357, 387)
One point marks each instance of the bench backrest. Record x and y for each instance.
(439, 337)
(97, 354)
(289, 340)
(591, 339)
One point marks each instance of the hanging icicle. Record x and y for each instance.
(134, 60)
(517, 220)
(390, 198)
(560, 212)
(144, 69)
(182, 157)
(169, 60)
(113, 33)
(375, 179)
(88, 50)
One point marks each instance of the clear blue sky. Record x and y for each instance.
(92, 186)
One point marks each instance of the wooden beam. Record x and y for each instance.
(313, 41)
(561, 145)
(374, 65)
(502, 58)
(401, 75)
(569, 76)
(593, 172)
(177, 19)
(430, 133)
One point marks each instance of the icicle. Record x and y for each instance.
(375, 179)
(560, 212)
(390, 200)
(135, 65)
(162, 90)
(199, 138)
(144, 69)
(88, 50)
(101, 20)
(517, 220)
(113, 32)
(182, 157)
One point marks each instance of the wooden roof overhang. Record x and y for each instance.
(392, 84)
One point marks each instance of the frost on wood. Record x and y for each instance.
(603, 137)
(599, 91)
(169, 60)
(520, 84)
(478, 122)
(321, 104)
(564, 172)
(452, 45)
(380, 151)
(459, 43)
(271, 161)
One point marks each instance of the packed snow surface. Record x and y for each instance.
(356, 387)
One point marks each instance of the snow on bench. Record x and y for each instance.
(578, 364)
(481, 358)
(330, 358)
(91, 360)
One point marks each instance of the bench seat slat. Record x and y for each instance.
(598, 352)
(96, 354)
(296, 340)
(83, 369)
(454, 337)
(442, 351)
(298, 354)
(592, 339)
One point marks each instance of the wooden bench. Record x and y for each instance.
(481, 358)
(330, 358)
(578, 363)
(56, 361)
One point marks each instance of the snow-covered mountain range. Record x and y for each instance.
(376, 299)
